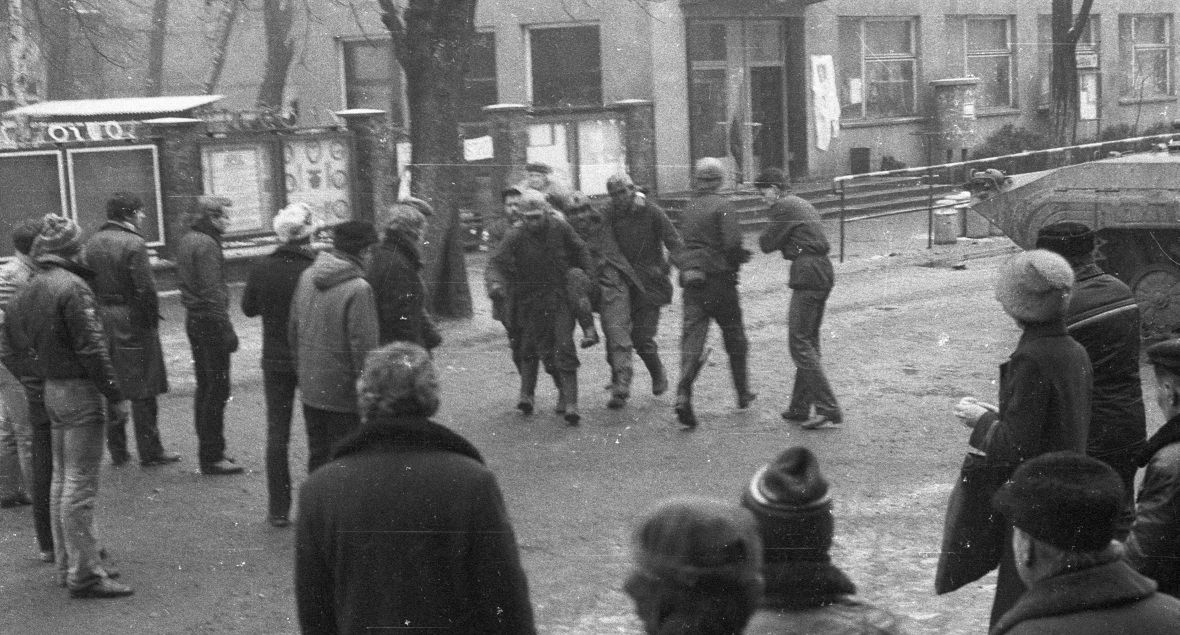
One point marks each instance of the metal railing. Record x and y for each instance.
(945, 174)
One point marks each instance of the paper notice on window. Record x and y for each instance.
(478, 149)
(404, 151)
(855, 90)
(1088, 96)
(826, 104)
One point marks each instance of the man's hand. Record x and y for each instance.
(497, 292)
(970, 410)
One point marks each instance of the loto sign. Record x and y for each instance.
(13, 134)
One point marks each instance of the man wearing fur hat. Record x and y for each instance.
(1104, 318)
(130, 312)
(394, 271)
(635, 283)
(805, 592)
(270, 286)
(52, 332)
(697, 568)
(1064, 508)
(200, 267)
(331, 328)
(1045, 385)
(709, 265)
(531, 272)
(406, 528)
(1154, 544)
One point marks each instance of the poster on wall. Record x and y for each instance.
(241, 173)
(601, 154)
(825, 102)
(317, 171)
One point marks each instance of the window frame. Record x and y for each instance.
(343, 42)
(529, 29)
(865, 58)
(1008, 53)
(1091, 46)
(493, 79)
(1129, 58)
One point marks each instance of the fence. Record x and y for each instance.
(1017, 163)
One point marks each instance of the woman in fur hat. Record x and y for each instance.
(1044, 386)
(394, 270)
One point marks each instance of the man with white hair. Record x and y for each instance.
(270, 286)
(709, 265)
(406, 527)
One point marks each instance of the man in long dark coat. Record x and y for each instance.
(127, 303)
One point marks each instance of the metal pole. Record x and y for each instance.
(841, 221)
(929, 208)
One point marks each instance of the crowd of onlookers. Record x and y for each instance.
(400, 523)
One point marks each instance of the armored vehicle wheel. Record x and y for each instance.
(1157, 290)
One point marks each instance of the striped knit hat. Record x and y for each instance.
(59, 236)
(789, 498)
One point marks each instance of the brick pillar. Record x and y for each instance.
(181, 180)
(954, 117)
(640, 140)
(508, 124)
(374, 163)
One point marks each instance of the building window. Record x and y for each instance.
(987, 55)
(1145, 43)
(372, 77)
(479, 82)
(877, 67)
(1089, 77)
(565, 66)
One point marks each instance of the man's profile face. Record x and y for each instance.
(537, 180)
(622, 196)
(512, 206)
(220, 219)
(769, 194)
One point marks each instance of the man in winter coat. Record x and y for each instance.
(332, 326)
(1104, 318)
(394, 271)
(30, 444)
(1045, 386)
(200, 267)
(530, 273)
(709, 264)
(52, 332)
(805, 592)
(634, 282)
(406, 528)
(1065, 508)
(270, 285)
(795, 231)
(1153, 546)
(130, 312)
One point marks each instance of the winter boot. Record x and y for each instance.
(528, 385)
(741, 381)
(684, 413)
(620, 362)
(659, 379)
(799, 409)
(589, 336)
(568, 388)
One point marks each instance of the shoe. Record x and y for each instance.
(119, 460)
(224, 466)
(525, 405)
(162, 459)
(659, 385)
(278, 521)
(795, 417)
(572, 418)
(616, 402)
(589, 338)
(105, 566)
(820, 421)
(745, 399)
(104, 588)
(685, 415)
(45, 556)
(16, 500)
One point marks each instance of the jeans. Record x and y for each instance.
(42, 450)
(16, 439)
(280, 403)
(211, 363)
(76, 410)
(324, 429)
(147, 433)
(804, 317)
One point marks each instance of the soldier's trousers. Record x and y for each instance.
(718, 301)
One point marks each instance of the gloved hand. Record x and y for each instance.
(497, 292)
(969, 410)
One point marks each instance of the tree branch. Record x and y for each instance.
(392, 19)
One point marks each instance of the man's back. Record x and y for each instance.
(710, 232)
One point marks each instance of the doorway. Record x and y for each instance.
(738, 78)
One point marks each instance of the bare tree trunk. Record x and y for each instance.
(23, 57)
(277, 16)
(226, 16)
(153, 84)
(431, 41)
(53, 17)
(1063, 80)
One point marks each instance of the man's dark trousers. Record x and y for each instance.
(804, 317)
(324, 429)
(279, 386)
(42, 460)
(211, 362)
(717, 300)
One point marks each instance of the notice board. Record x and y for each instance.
(32, 187)
(241, 172)
(317, 170)
(98, 172)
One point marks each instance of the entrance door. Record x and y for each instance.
(737, 93)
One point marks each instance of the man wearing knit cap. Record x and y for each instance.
(1045, 386)
(130, 312)
(270, 285)
(805, 592)
(1153, 546)
(1064, 508)
(796, 232)
(200, 268)
(1104, 318)
(697, 568)
(52, 332)
(709, 265)
(332, 327)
